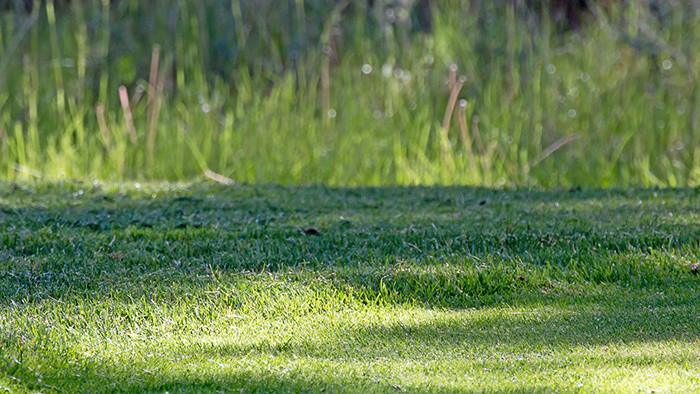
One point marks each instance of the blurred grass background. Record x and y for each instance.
(493, 93)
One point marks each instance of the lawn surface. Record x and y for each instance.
(201, 287)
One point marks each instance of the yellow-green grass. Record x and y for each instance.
(330, 92)
(201, 287)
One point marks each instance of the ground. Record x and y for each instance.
(203, 287)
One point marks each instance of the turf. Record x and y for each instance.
(201, 287)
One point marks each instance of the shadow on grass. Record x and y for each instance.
(438, 246)
(68, 205)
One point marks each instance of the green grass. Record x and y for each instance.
(201, 287)
(245, 89)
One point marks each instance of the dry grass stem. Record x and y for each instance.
(452, 76)
(153, 76)
(553, 148)
(447, 118)
(102, 123)
(218, 177)
(464, 132)
(28, 171)
(128, 116)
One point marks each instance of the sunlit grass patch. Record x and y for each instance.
(606, 341)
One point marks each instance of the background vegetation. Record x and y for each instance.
(350, 93)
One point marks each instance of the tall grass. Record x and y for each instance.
(342, 94)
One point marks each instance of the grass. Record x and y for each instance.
(341, 95)
(204, 287)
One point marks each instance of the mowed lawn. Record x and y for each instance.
(203, 287)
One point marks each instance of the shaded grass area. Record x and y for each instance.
(200, 287)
